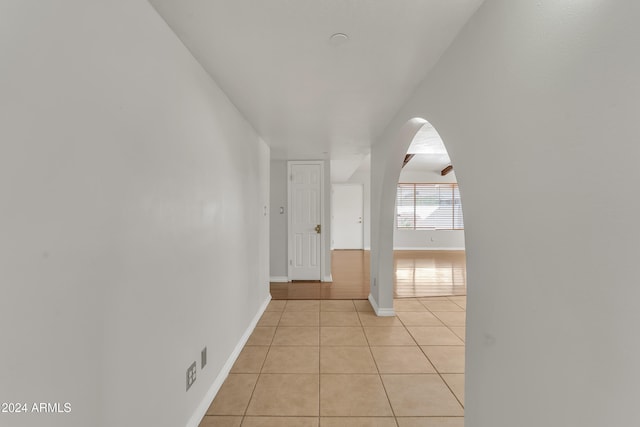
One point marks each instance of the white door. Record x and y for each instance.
(346, 222)
(305, 225)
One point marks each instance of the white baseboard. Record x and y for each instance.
(368, 248)
(430, 248)
(382, 312)
(201, 411)
(285, 279)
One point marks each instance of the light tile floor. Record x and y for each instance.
(332, 363)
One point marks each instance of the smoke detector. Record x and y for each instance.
(338, 38)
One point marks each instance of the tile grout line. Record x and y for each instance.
(395, 418)
(434, 366)
(244, 415)
(447, 326)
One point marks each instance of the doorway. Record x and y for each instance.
(306, 201)
(347, 230)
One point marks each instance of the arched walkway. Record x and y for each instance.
(386, 164)
(387, 160)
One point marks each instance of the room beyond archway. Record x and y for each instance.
(428, 240)
(423, 212)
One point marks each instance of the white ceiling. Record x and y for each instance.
(427, 141)
(430, 153)
(307, 97)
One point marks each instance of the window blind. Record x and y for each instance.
(429, 207)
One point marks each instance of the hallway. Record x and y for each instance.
(146, 209)
(313, 363)
(417, 274)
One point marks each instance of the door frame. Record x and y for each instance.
(322, 216)
(348, 184)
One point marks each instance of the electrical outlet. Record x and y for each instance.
(191, 375)
(203, 358)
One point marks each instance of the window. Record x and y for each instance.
(428, 207)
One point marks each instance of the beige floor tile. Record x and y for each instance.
(455, 383)
(346, 360)
(430, 421)
(300, 318)
(311, 336)
(362, 305)
(353, 395)
(270, 318)
(401, 360)
(370, 319)
(276, 305)
(447, 358)
(285, 395)
(234, 395)
(434, 335)
(441, 305)
(419, 318)
(302, 305)
(342, 336)
(220, 421)
(388, 335)
(280, 422)
(420, 395)
(408, 305)
(461, 301)
(250, 360)
(358, 422)
(292, 360)
(337, 305)
(262, 335)
(459, 331)
(297, 335)
(452, 318)
(339, 318)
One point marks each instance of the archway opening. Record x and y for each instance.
(428, 240)
(415, 215)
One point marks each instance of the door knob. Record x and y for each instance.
(318, 228)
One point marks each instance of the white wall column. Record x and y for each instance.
(386, 164)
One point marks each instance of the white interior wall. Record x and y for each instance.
(428, 239)
(527, 87)
(326, 224)
(426, 176)
(278, 221)
(387, 156)
(133, 194)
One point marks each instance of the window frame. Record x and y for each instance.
(454, 188)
